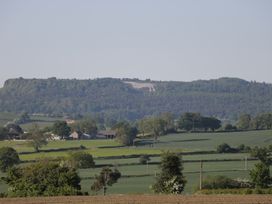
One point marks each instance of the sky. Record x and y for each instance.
(146, 39)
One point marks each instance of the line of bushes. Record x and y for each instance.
(243, 191)
(81, 147)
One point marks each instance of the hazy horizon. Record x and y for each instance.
(158, 40)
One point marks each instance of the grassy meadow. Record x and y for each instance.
(42, 121)
(137, 178)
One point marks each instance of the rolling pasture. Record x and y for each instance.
(137, 178)
(42, 121)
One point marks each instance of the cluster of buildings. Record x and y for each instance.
(76, 135)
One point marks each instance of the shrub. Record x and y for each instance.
(8, 158)
(240, 191)
(220, 182)
(82, 160)
(225, 148)
(230, 127)
(241, 147)
(144, 159)
(82, 147)
(260, 175)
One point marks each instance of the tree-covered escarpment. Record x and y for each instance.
(132, 99)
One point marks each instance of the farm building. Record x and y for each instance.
(76, 135)
(54, 137)
(106, 134)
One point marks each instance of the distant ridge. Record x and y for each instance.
(130, 99)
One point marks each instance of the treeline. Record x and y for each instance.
(112, 99)
(260, 122)
(126, 131)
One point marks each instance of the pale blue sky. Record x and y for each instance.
(161, 40)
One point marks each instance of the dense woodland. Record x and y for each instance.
(224, 98)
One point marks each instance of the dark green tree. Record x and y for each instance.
(82, 160)
(244, 122)
(170, 180)
(189, 121)
(86, 125)
(3, 133)
(8, 158)
(125, 133)
(107, 177)
(225, 148)
(263, 154)
(14, 131)
(260, 175)
(210, 123)
(61, 129)
(44, 178)
(262, 121)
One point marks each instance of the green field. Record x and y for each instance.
(6, 117)
(40, 120)
(138, 178)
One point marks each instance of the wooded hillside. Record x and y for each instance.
(223, 98)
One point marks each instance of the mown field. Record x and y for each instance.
(137, 178)
(146, 199)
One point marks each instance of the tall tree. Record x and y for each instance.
(61, 129)
(125, 133)
(210, 123)
(37, 138)
(169, 123)
(154, 126)
(86, 125)
(262, 121)
(189, 121)
(263, 154)
(106, 178)
(3, 133)
(244, 122)
(170, 180)
(260, 175)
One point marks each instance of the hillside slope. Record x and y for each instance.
(132, 99)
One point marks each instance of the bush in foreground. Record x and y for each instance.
(260, 175)
(223, 182)
(42, 179)
(8, 158)
(243, 191)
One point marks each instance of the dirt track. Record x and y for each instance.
(146, 199)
